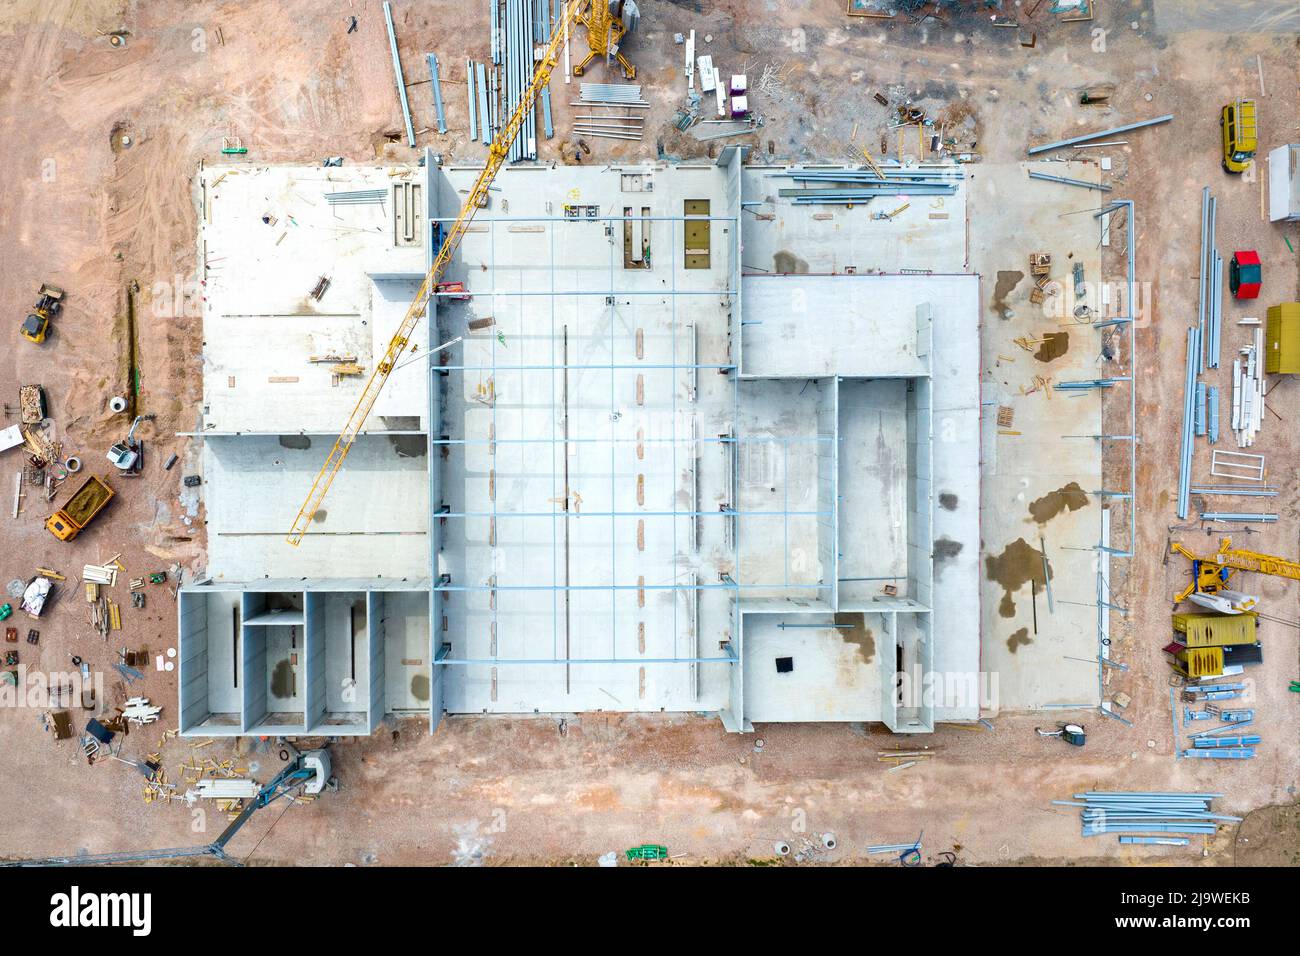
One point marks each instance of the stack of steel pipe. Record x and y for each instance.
(1189, 416)
(610, 125)
(611, 94)
(1147, 812)
(1265, 492)
(1256, 516)
(1211, 284)
(517, 23)
(859, 185)
(356, 197)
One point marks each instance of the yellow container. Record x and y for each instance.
(1282, 339)
(1199, 662)
(1215, 630)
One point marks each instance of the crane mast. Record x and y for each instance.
(477, 199)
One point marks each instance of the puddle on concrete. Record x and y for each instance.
(1070, 497)
(859, 635)
(788, 262)
(948, 501)
(298, 442)
(1016, 640)
(282, 680)
(1057, 344)
(420, 687)
(1015, 567)
(1007, 281)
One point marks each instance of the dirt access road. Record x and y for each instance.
(98, 215)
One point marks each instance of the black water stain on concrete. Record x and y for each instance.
(1015, 567)
(1071, 497)
(1016, 640)
(282, 680)
(420, 687)
(409, 446)
(320, 515)
(1008, 279)
(945, 550)
(788, 262)
(1055, 345)
(858, 634)
(948, 501)
(298, 442)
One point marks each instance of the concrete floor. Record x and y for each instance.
(631, 460)
(1038, 663)
(377, 525)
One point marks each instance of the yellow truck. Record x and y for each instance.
(1239, 141)
(90, 499)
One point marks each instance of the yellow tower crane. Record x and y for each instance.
(477, 199)
(605, 30)
(1210, 576)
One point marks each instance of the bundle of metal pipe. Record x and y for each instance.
(1238, 516)
(891, 174)
(1213, 426)
(1066, 181)
(517, 27)
(1234, 490)
(1147, 812)
(1189, 414)
(611, 94)
(356, 196)
(1206, 266)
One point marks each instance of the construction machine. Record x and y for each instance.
(127, 455)
(37, 324)
(477, 199)
(1210, 576)
(607, 22)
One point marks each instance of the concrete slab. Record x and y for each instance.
(267, 238)
(1041, 472)
(376, 520)
(781, 237)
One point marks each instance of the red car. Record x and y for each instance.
(1245, 274)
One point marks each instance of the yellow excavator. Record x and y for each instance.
(1210, 576)
(602, 30)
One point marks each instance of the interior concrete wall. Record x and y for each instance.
(192, 657)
